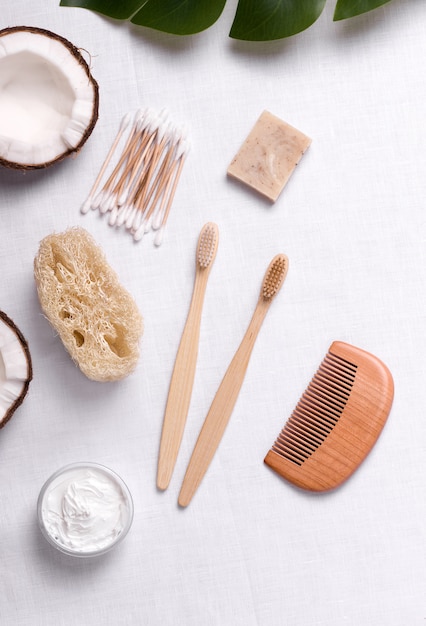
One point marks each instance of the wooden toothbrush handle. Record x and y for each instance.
(181, 384)
(220, 410)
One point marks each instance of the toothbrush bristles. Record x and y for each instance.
(274, 277)
(207, 245)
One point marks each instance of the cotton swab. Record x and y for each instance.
(140, 141)
(139, 191)
(180, 160)
(123, 125)
(139, 117)
(128, 151)
(136, 172)
(158, 214)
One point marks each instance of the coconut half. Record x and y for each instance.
(15, 368)
(48, 98)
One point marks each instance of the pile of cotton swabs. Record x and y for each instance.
(139, 192)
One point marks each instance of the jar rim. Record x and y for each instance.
(107, 472)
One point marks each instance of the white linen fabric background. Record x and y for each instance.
(250, 549)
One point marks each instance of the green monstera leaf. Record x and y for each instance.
(272, 19)
(255, 20)
(179, 17)
(350, 8)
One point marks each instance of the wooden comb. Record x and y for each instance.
(336, 421)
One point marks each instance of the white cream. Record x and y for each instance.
(85, 509)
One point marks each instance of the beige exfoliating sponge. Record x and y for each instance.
(80, 294)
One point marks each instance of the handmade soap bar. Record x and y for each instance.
(269, 155)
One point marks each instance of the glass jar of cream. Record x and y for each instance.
(84, 509)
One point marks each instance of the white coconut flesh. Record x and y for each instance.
(48, 98)
(15, 368)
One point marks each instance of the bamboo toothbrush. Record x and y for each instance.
(182, 379)
(227, 394)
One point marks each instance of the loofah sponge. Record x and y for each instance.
(80, 294)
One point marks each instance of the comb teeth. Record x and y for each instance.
(207, 245)
(274, 277)
(317, 411)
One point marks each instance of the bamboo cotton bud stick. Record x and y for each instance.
(141, 187)
(124, 124)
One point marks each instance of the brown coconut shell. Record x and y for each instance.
(77, 55)
(26, 350)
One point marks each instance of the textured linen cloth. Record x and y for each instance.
(250, 549)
